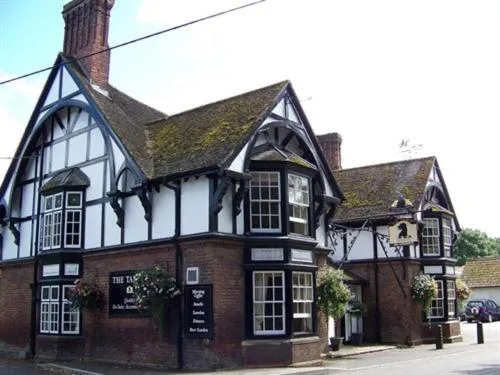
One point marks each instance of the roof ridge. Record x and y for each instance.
(387, 163)
(285, 82)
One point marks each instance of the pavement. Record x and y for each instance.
(99, 368)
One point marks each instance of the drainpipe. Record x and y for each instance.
(34, 285)
(178, 269)
(377, 296)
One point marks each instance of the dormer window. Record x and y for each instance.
(430, 237)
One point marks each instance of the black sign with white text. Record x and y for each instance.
(199, 313)
(121, 294)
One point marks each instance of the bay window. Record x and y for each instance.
(437, 304)
(268, 302)
(452, 297)
(298, 204)
(265, 210)
(61, 220)
(430, 237)
(447, 237)
(302, 285)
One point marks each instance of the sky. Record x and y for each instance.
(375, 71)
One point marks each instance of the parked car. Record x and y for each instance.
(484, 310)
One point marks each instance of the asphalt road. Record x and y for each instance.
(466, 358)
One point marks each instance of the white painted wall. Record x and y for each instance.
(58, 156)
(27, 204)
(95, 174)
(363, 246)
(163, 203)
(77, 152)
(25, 239)
(112, 231)
(68, 85)
(487, 292)
(57, 131)
(320, 232)
(53, 94)
(93, 221)
(194, 206)
(238, 163)
(9, 247)
(82, 121)
(97, 147)
(119, 157)
(226, 214)
(136, 226)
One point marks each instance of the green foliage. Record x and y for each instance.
(472, 243)
(153, 288)
(356, 308)
(423, 290)
(332, 293)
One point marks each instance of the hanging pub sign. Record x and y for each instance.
(121, 294)
(199, 312)
(403, 233)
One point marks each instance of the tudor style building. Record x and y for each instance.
(233, 198)
(377, 197)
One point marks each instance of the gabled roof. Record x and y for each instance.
(370, 190)
(482, 272)
(211, 135)
(125, 115)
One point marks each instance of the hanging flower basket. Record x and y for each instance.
(86, 295)
(153, 288)
(462, 290)
(423, 290)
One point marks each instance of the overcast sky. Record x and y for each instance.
(376, 71)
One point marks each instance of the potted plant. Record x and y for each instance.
(356, 310)
(332, 297)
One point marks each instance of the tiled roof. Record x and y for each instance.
(73, 177)
(209, 136)
(126, 116)
(204, 137)
(369, 191)
(482, 272)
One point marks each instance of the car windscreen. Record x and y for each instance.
(475, 303)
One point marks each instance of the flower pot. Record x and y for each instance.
(336, 343)
(356, 338)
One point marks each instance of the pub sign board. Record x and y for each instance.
(199, 311)
(121, 294)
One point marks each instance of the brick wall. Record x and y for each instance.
(130, 339)
(15, 305)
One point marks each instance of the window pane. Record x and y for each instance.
(302, 301)
(74, 199)
(265, 201)
(268, 292)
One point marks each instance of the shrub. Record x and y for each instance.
(332, 293)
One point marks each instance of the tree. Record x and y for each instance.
(472, 243)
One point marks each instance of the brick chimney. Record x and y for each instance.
(85, 32)
(330, 143)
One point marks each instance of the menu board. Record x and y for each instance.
(199, 312)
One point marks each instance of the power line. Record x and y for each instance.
(138, 39)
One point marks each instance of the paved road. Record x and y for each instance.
(15, 367)
(467, 358)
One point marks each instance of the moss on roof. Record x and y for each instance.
(370, 190)
(482, 272)
(210, 135)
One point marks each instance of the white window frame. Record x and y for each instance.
(49, 309)
(69, 317)
(452, 297)
(436, 310)
(56, 313)
(262, 180)
(303, 298)
(53, 229)
(261, 301)
(298, 199)
(430, 237)
(447, 238)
